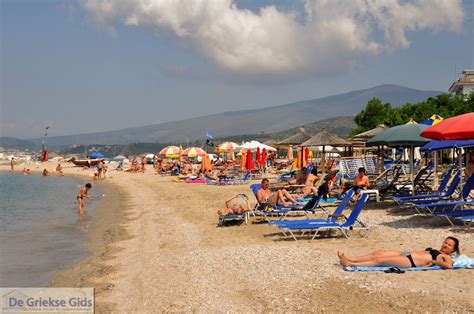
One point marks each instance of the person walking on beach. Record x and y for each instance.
(80, 197)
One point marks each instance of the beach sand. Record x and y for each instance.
(155, 246)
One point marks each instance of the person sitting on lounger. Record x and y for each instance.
(428, 257)
(280, 197)
(236, 205)
(361, 182)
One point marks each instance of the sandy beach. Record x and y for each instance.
(155, 246)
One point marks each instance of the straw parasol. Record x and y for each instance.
(296, 139)
(361, 138)
(323, 139)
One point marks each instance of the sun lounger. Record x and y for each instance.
(351, 223)
(242, 217)
(400, 199)
(331, 218)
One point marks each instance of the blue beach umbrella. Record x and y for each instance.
(96, 155)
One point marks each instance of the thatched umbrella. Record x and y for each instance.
(296, 139)
(325, 138)
(361, 138)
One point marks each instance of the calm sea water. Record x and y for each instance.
(40, 229)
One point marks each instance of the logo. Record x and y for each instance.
(24, 300)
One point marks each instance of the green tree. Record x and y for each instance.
(374, 114)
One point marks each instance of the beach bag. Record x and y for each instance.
(265, 207)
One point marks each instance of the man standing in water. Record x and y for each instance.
(12, 164)
(80, 197)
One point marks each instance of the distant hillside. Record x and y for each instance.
(267, 120)
(15, 143)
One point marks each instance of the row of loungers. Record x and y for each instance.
(443, 203)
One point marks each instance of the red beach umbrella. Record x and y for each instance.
(263, 159)
(249, 165)
(258, 156)
(306, 155)
(456, 128)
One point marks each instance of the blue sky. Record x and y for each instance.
(80, 68)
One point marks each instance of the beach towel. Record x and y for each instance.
(460, 262)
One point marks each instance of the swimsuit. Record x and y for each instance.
(410, 258)
(434, 253)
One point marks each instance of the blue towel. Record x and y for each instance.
(459, 262)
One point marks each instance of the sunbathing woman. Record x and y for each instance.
(428, 257)
(233, 207)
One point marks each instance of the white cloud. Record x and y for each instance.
(333, 35)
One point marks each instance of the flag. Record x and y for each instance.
(209, 135)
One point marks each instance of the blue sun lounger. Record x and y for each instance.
(331, 218)
(352, 222)
(401, 199)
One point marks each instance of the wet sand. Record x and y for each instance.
(155, 246)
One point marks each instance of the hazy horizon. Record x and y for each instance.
(83, 66)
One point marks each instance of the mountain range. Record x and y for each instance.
(255, 121)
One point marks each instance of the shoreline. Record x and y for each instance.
(155, 245)
(107, 228)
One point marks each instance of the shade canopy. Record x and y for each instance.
(446, 144)
(364, 136)
(456, 128)
(96, 155)
(296, 139)
(226, 147)
(193, 152)
(405, 135)
(170, 152)
(326, 138)
(252, 145)
(433, 120)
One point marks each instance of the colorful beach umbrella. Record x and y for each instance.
(306, 155)
(226, 147)
(411, 121)
(433, 120)
(170, 152)
(456, 128)
(193, 152)
(249, 163)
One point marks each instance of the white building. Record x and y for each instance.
(464, 85)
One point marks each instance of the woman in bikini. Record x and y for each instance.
(80, 197)
(236, 205)
(428, 257)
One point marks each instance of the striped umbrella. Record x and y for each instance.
(170, 152)
(226, 147)
(193, 152)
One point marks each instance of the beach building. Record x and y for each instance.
(464, 85)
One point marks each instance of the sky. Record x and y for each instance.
(97, 65)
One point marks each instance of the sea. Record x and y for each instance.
(41, 231)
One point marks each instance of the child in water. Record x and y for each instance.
(80, 197)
